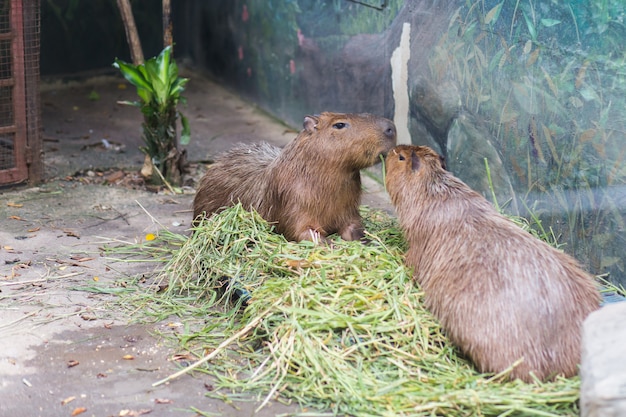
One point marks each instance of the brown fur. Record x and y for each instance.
(310, 189)
(499, 293)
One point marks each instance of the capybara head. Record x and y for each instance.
(409, 164)
(356, 140)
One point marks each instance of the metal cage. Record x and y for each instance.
(20, 113)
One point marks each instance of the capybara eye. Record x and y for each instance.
(339, 125)
(401, 157)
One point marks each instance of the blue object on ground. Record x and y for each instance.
(611, 297)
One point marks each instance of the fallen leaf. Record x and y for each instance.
(101, 375)
(67, 400)
(16, 218)
(71, 233)
(128, 357)
(88, 316)
(80, 259)
(134, 413)
(182, 357)
(7, 248)
(114, 176)
(16, 205)
(72, 363)
(94, 96)
(34, 229)
(78, 411)
(163, 401)
(298, 263)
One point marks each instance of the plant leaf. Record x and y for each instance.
(531, 27)
(163, 64)
(492, 15)
(549, 22)
(178, 86)
(133, 74)
(129, 103)
(159, 87)
(185, 135)
(145, 95)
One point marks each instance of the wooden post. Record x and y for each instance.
(167, 24)
(132, 36)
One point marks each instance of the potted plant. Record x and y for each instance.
(159, 88)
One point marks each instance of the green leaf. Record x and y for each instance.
(531, 27)
(163, 64)
(142, 70)
(129, 103)
(492, 15)
(145, 95)
(133, 74)
(185, 135)
(178, 86)
(172, 71)
(160, 91)
(550, 22)
(159, 86)
(94, 96)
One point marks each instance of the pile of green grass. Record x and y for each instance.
(341, 328)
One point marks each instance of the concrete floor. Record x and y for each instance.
(49, 249)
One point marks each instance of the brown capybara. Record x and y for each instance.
(312, 187)
(499, 293)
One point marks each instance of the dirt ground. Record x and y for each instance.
(62, 351)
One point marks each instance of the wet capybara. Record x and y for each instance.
(312, 187)
(499, 293)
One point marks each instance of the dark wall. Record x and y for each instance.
(80, 35)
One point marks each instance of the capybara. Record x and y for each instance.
(499, 293)
(312, 187)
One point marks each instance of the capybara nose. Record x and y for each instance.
(389, 129)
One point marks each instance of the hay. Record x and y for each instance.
(340, 328)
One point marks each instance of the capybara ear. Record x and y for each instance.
(310, 123)
(415, 161)
(443, 162)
